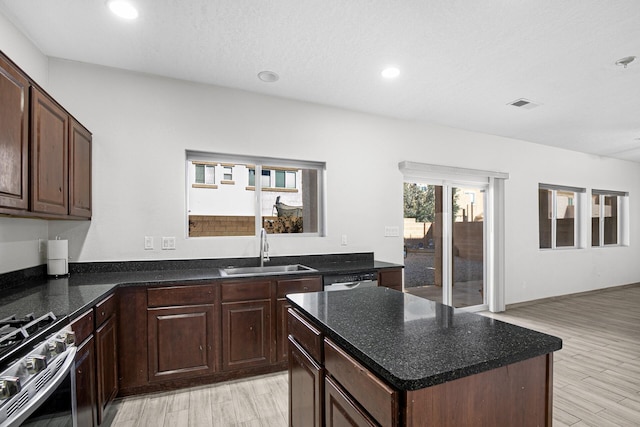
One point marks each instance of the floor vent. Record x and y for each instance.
(524, 103)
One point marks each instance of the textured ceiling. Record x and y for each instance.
(461, 61)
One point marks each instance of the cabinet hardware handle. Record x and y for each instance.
(80, 371)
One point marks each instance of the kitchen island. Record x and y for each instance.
(381, 357)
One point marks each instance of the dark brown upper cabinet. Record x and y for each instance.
(45, 154)
(49, 155)
(14, 137)
(79, 170)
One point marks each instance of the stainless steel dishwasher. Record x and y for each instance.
(346, 281)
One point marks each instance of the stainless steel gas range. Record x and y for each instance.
(37, 376)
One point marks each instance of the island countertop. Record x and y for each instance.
(415, 343)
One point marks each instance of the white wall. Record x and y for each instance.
(143, 124)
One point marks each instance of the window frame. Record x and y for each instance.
(621, 200)
(578, 235)
(258, 164)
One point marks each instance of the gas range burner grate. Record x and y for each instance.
(14, 331)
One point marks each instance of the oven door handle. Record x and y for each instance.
(43, 394)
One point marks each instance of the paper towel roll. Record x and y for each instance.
(57, 257)
(58, 249)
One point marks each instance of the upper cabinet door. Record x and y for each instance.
(49, 155)
(14, 137)
(79, 170)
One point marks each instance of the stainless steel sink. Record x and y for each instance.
(267, 270)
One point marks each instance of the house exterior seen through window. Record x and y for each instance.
(606, 217)
(559, 213)
(289, 195)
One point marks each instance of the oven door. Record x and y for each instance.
(54, 403)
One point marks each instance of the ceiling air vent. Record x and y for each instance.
(524, 103)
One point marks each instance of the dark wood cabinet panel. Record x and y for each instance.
(246, 334)
(14, 137)
(377, 398)
(390, 279)
(340, 410)
(181, 341)
(49, 155)
(306, 381)
(282, 330)
(107, 365)
(86, 384)
(132, 337)
(79, 170)
(283, 288)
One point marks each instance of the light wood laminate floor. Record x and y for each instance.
(596, 374)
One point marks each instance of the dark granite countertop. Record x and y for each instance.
(88, 283)
(415, 343)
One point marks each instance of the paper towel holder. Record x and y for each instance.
(58, 258)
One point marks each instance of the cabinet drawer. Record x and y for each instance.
(83, 326)
(245, 291)
(180, 295)
(377, 398)
(105, 309)
(340, 410)
(301, 284)
(305, 334)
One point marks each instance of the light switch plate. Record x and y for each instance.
(343, 241)
(148, 243)
(168, 243)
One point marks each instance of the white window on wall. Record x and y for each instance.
(607, 218)
(227, 174)
(205, 175)
(559, 216)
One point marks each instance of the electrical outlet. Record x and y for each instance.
(343, 242)
(168, 243)
(148, 243)
(42, 245)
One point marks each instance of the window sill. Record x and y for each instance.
(212, 186)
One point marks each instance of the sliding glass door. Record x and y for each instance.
(444, 242)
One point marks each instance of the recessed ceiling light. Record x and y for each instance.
(268, 76)
(390, 73)
(123, 9)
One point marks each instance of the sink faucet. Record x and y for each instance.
(264, 247)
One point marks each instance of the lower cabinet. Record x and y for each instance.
(182, 334)
(340, 410)
(246, 334)
(283, 288)
(181, 341)
(96, 361)
(86, 383)
(107, 364)
(305, 388)
(391, 278)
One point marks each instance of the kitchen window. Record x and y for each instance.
(288, 199)
(559, 216)
(606, 217)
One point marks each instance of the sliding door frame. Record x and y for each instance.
(448, 177)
